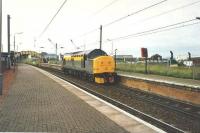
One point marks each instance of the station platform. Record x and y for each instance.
(163, 79)
(40, 102)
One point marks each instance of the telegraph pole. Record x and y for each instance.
(100, 37)
(14, 44)
(34, 42)
(8, 26)
(1, 75)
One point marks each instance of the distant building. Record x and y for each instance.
(180, 58)
(47, 57)
(29, 53)
(156, 57)
(188, 63)
(125, 58)
(196, 60)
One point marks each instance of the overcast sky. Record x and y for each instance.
(78, 17)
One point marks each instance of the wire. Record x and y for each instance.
(169, 29)
(89, 32)
(151, 31)
(148, 7)
(47, 26)
(169, 11)
(92, 43)
(105, 25)
(161, 27)
(108, 5)
(97, 12)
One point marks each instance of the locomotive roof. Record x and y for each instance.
(89, 53)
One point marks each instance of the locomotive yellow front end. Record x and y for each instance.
(104, 69)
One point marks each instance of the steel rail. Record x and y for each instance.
(156, 122)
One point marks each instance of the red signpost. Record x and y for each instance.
(144, 53)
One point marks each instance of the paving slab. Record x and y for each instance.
(129, 122)
(36, 103)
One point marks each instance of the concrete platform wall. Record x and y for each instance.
(182, 93)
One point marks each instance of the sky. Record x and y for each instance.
(80, 20)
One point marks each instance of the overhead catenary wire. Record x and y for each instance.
(163, 13)
(89, 43)
(88, 32)
(103, 8)
(47, 26)
(95, 13)
(121, 18)
(184, 25)
(131, 14)
(152, 30)
(168, 11)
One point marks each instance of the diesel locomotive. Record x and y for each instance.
(94, 65)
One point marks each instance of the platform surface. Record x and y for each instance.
(163, 79)
(37, 103)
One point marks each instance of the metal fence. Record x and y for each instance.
(161, 68)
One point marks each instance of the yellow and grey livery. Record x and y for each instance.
(95, 65)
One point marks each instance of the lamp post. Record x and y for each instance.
(41, 56)
(1, 76)
(60, 57)
(56, 45)
(41, 49)
(61, 49)
(115, 59)
(14, 60)
(112, 46)
(18, 46)
(18, 33)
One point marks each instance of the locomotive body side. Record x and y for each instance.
(72, 62)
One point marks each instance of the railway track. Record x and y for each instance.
(132, 94)
(177, 106)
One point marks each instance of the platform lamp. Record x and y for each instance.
(40, 50)
(60, 56)
(18, 33)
